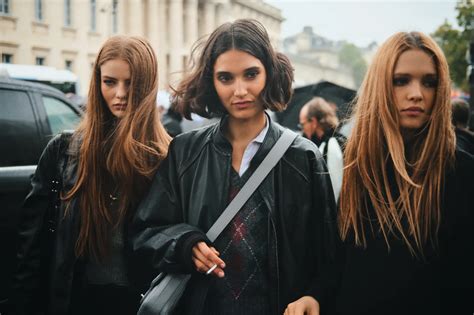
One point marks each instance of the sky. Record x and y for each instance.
(362, 22)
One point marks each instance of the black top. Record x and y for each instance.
(376, 280)
(465, 140)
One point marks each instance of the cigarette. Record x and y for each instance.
(211, 269)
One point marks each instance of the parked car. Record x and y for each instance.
(30, 114)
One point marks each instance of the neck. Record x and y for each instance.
(244, 131)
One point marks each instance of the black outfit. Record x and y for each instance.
(191, 189)
(171, 120)
(465, 140)
(64, 285)
(376, 280)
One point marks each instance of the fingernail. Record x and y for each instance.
(223, 265)
(221, 274)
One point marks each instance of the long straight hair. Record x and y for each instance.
(404, 185)
(127, 150)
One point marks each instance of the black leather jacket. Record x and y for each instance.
(191, 188)
(40, 288)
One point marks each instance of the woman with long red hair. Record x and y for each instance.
(406, 215)
(106, 168)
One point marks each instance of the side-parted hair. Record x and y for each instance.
(196, 92)
(127, 150)
(406, 204)
(323, 112)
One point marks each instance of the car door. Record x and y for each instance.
(19, 150)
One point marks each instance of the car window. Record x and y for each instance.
(18, 130)
(60, 115)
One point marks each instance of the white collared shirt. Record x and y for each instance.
(252, 148)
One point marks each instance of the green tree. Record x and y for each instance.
(351, 56)
(455, 43)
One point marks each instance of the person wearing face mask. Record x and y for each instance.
(265, 258)
(96, 176)
(406, 216)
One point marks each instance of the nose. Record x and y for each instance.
(415, 91)
(122, 91)
(240, 88)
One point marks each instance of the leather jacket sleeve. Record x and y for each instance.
(160, 238)
(327, 239)
(27, 280)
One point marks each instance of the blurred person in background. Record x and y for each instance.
(98, 175)
(461, 117)
(319, 123)
(170, 118)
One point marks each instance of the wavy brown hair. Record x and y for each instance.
(196, 92)
(403, 182)
(126, 150)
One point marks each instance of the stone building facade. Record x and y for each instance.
(67, 34)
(316, 58)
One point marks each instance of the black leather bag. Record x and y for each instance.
(166, 289)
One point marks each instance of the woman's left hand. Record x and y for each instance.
(307, 305)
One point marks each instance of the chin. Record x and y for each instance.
(119, 114)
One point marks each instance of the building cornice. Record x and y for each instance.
(8, 44)
(263, 8)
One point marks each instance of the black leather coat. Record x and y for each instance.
(191, 188)
(40, 288)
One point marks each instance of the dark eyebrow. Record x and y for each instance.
(107, 77)
(222, 72)
(256, 68)
(252, 68)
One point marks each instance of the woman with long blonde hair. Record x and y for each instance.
(105, 170)
(406, 210)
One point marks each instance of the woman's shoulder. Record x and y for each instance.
(303, 151)
(194, 136)
(190, 143)
(59, 141)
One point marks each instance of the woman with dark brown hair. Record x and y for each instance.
(103, 169)
(406, 214)
(265, 257)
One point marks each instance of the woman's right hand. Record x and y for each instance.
(205, 257)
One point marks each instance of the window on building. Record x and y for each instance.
(114, 16)
(39, 10)
(93, 25)
(7, 58)
(40, 61)
(68, 65)
(67, 12)
(4, 7)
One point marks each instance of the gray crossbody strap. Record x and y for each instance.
(272, 158)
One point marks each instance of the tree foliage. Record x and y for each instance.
(455, 43)
(351, 56)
